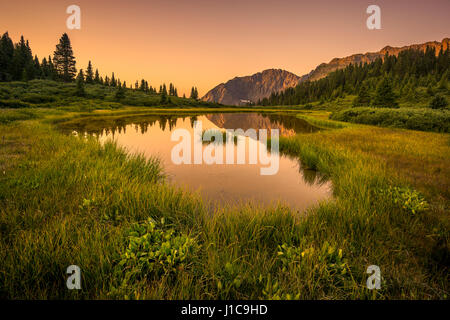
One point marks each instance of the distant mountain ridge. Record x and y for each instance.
(240, 90)
(252, 88)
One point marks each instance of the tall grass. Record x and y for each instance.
(69, 200)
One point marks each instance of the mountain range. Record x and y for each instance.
(242, 90)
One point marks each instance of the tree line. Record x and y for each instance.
(378, 84)
(17, 63)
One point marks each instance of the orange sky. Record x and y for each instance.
(206, 42)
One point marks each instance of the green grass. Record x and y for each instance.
(66, 200)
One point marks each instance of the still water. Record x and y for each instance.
(220, 183)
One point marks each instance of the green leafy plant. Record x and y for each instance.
(328, 255)
(153, 251)
(272, 290)
(408, 199)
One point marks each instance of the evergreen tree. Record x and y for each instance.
(438, 102)
(89, 74)
(384, 95)
(97, 77)
(194, 93)
(52, 73)
(64, 60)
(22, 61)
(120, 93)
(6, 57)
(363, 97)
(80, 84)
(113, 82)
(37, 70)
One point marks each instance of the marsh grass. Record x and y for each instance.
(68, 200)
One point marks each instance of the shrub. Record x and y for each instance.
(37, 98)
(422, 119)
(438, 102)
(14, 104)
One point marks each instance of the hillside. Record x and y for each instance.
(241, 90)
(340, 63)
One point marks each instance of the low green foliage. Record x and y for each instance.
(411, 201)
(438, 102)
(422, 119)
(154, 251)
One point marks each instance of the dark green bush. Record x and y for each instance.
(14, 104)
(422, 119)
(438, 102)
(38, 98)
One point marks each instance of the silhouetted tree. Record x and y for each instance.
(80, 84)
(64, 60)
(89, 74)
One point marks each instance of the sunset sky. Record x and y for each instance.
(206, 42)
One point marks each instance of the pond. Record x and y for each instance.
(219, 183)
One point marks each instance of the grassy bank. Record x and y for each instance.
(65, 200)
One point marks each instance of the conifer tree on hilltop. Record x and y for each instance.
(80, 84)
(89, 74)
(384, 95)
(64, 60)
(363, 97)
(194, 93)
(97, 77)
(6, 56)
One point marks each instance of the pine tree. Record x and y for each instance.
(113, 81)
(22, 61)
(120, 93)
(64, 60)
(37, 70)
(89, 74)
(80, 84)
(6, 57)
(97, 77)
(53, 75)
(384, 95)
(438, 102)
(363, 97)
(194, 93)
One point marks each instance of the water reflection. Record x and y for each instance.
(225, 184)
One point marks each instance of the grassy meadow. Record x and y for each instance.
(66, 200)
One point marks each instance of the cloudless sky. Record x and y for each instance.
(207, 42)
